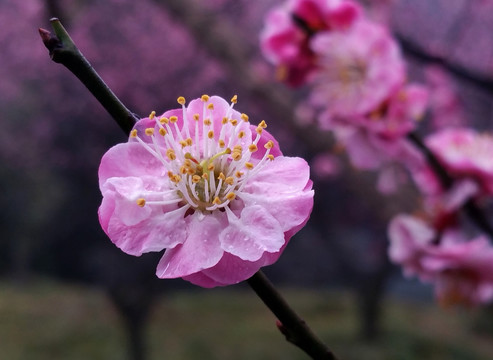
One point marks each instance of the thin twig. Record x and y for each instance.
(291, 325)
(417, 52)
(64, 51)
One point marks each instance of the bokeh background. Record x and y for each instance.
(67, 292)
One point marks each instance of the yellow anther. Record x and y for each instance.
(221, 143)
(210, 134)
(231, 196)
(170, 174)
(238, 174)
(269, 145)
(162, 131)
(234, 122)
(164, 120)
(270, 157)
(221, 176)
(227, 151)
(189, 141)
(262, 124)
(259, 130)
(152, 114)
(149, 131)
(183, 170)
(196, 179)
(189, 156)
(173, 119)
(190, 171)
(133, 133)
(170, 153)
(141, 202)
(210, 106)
(237, 148)
(216, 201)
(205, 176)
(241, 134)
(187, 163)
(236, 155)
(229, 180)
(183, 143)
(204, 98)
(252, 148)
(225, 120)
(176, 178)
(181, 100)
(244, 117)
(211, 167)
(196, 117)
(249, 165)
(207, 122)
(234, 99)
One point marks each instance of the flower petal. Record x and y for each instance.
(201, 249)
(255, 232)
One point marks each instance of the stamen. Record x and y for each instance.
(152, 114)
(141, 202)
(252, 148)
(181, 100)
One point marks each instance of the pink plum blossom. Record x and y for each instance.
(357, 70)
(326, 165)
(207, 186)
(460, 269)
(377, 139)
(393, 118)
(285, 39)
(446, 107)
(465, 154)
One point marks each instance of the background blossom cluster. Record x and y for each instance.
(357, 88)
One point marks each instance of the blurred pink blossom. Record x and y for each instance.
(357, 70)
(392, 119)
(285, 39)
(213, 190)
(326, 165)
(445, 104)
(465, 154)
(460, 269)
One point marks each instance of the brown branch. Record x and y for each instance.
(64, 51)
(291, 325)
(417, 52)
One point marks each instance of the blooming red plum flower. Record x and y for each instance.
(207, 186)
(285, 39)
(357, 70)
(460, 269)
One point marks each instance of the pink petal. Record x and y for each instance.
(128, 159)
(201, 249)
(255, 232)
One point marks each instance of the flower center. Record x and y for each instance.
(208, 161)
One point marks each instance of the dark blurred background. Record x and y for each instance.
(56, 261)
